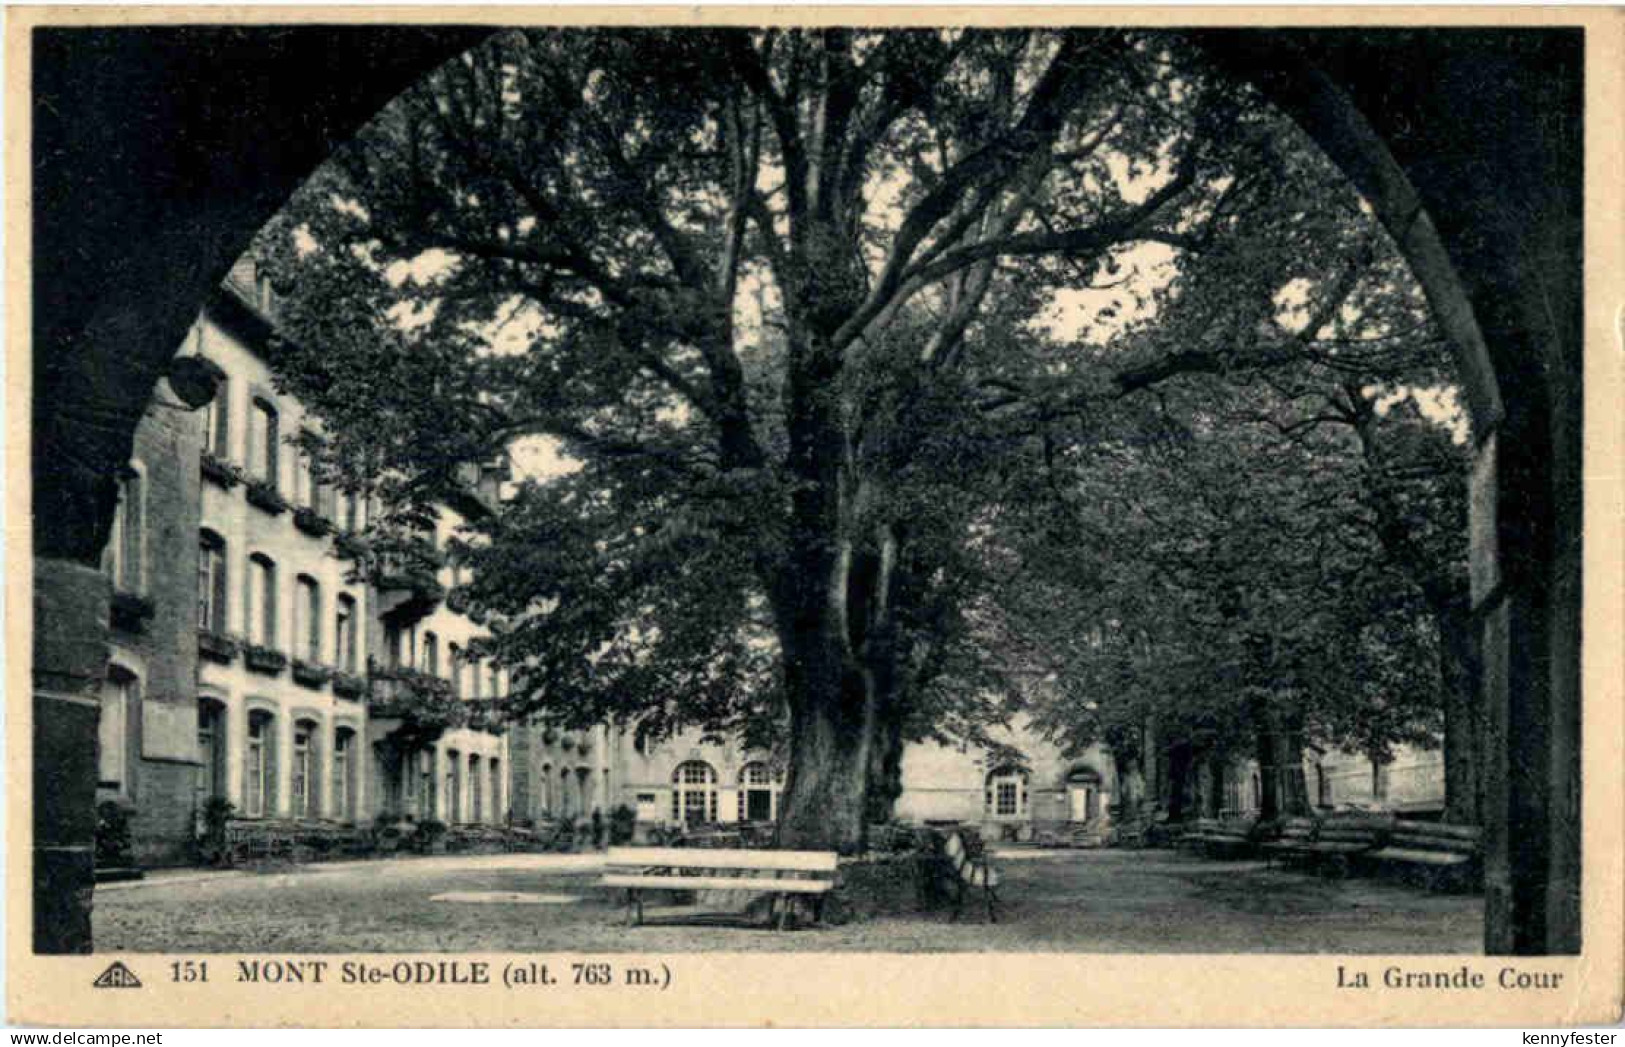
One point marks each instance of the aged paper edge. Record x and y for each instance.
(931, 989)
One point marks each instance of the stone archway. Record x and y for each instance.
(1475, 189)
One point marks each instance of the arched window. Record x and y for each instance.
(344, 633)
(344, 774)
(125, 559)
(263, 442)
(431, 654)
(261, 600)
(1007, 793)
(304, 482)
(454, 786)
(494, 769)
(259, 763)
(211, 582)
(694, 793)
(303, 783)
(476, 789)
(423, 793)
(120, 694)
(455, 657)
(758, 792)
(211, 749)
(217, 420)
(547, 789)
(307, 619)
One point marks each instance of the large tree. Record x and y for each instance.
(771, 294)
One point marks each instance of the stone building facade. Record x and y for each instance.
(251, 661)
(146, 753)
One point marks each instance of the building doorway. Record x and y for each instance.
(1083, 794)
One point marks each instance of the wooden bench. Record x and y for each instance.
(780, 873)
(1346, 835)
(1196, 833)
(971, 867)
(1229, 839)
(1439, 848)
(1295, 837)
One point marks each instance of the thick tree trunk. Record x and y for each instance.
(1215, 789)
(885, 770)
(826, 793)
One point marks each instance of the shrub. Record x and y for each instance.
(214, 846)
(622, 823)
(113, 847)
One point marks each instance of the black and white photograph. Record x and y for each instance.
(807, 484)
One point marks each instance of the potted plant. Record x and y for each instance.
(263, 494)
(266, 660)
(430, 837)
(213, 841)
(218, 471)
(130, 611)
(311, 522)
(310, 675)
(217, 647)
(348, 685)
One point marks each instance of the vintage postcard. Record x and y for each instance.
(814, 516)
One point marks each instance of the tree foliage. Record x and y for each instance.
(777, 298)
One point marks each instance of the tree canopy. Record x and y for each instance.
(876, 367)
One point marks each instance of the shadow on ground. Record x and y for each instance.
(1071, 901)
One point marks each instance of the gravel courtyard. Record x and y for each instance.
(1074, 901)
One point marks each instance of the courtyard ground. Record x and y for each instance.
(1074, 901)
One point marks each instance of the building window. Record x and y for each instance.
(344, 632)
(307, 619)
(403, 645)
(758, 793)
(492, 679)
(258, 786)
(547, 789)
(566, 808)
(454, 787)
(263, 442)
(1007, 793)
(304, 482)
(353, 520)
(119, 694)
(476, 789)
(124, 560)
(302, 784)
(211, 749)
(261, 600)
(431, 654)
(456, 659)
(425, 783)
(474, 677)
(211, 582)
(217, 421)
(344, 774)
(694, 793)
(494, 769)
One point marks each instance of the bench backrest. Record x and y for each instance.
(1437, 836)
(721, 858)
(1354, 826)
(1297, 828)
